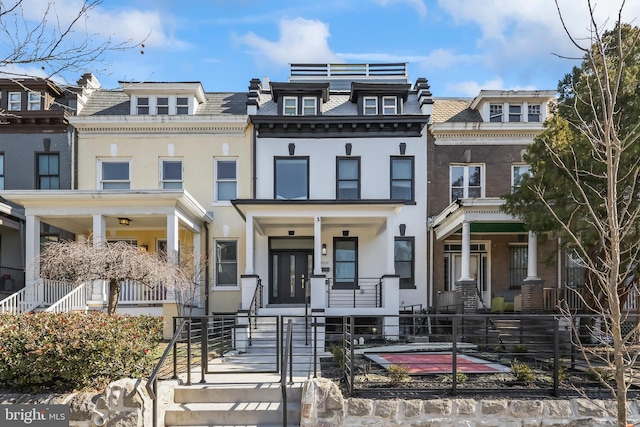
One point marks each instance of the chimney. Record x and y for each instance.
(253, 96)
(424, 97)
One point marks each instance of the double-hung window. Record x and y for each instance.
(389, 105)
(182, 105)
(370, 105)
(291, 180)
(404, 261)
(495, 112)
(466, 181)
(48, 173)
(15, 101)
(533, 113)
(162, 105)
(402, 178)
(226, 180)
(348, 178)
(226, 263)
(171, 174)
(33, 103)
(345, 261)
(515, 113)
(517, 173)
(142, 106)
(290, 105)
(115, 174)
(309, 106)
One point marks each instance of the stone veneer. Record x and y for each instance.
(324, 406)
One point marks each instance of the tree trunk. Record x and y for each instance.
(114, 294)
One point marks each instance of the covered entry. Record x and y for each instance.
(291, 267)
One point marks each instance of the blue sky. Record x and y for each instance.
(460, 46)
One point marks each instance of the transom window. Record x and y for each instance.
(345, 264)
(389, 105)
(348, 178)
(226, 263)
(402, 178)
(466, 182)
(226, 180)
(495, 112)
(162, 105)
(143, 106)
(291, 178)
(15, 101)
(34, 101)
(48, 173)
(517, 173)
(182, 105)
(115, 174)
(370, 105)
(404, 256)
(290, 107)
(515, 112)
(533, 113)
(171, 174)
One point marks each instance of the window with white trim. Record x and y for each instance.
(517, 173)
(389, 105)
(290, 105)
(370, 105)
(15, 101)
(33, 103)
(226, 171)
(142, 106)
(533, 113)
(466, 181)
(114, 174)
(162, 105)
(515, 113)
(182, 105)
(226, 263)
(171, 170)
(308, 106)
(495, 112)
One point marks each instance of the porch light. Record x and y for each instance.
(124, 221)
(324, 249)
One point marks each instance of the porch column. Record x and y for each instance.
(532, 257)
(172, 237)
(32, 250)
(317, 246)
(99, 230)
(465, 268)
(532, 287)
(98, 289)
(249, 242)
(391, 265)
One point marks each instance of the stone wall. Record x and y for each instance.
(124, 403)
(324, 406)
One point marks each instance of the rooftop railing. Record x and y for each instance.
(349, 70)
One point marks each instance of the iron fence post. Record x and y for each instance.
(175, 351)
(203, 348)
(352, 352)
(314, 325)
(556, 356)
(454, 354)
(189, 351)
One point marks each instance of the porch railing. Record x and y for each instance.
(19, 302)
(73, 301)
(132, 292)
(54, 290)
(449, 302)
(572, 297)
(363, 293)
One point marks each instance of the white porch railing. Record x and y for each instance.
(18, 303)
(73, 301)
(132, 292)
(54, 290)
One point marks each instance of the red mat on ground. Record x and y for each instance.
(438, 363)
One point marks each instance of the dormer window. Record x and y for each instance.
(162, 105)
(34, 101)
(495, 112)
(533, 113)
(515, 113)
(370, 105)
(308, 106)
(15, 101)
(389, 105)
(290, 105)
(182, 105)
(143, 106)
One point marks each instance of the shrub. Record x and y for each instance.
(522, 372)
(599, 373)
(461, 377)
(519, 349)
(75, 351)
(337, 352)
(398, 372)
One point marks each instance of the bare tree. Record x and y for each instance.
(193, 269)
(55, 42)
(79, 262)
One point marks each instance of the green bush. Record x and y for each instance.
(75, 351)
(520, 348)
(461, 377)
(398, 372)
(523, 372)
(337, 351)
(600, 373)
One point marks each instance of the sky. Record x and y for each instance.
(459, 46)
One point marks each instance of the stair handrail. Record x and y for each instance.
(288, 348)
(256, 303)
(16, 303)
(152, 382)
(76, 298)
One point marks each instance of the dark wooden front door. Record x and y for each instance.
(290, 273)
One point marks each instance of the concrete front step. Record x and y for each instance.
(264, 392)
(230, 414)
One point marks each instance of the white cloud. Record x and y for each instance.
(300, 40)
(419, 5)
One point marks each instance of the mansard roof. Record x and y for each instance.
(448, 110)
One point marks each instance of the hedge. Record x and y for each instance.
(75, 351)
